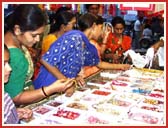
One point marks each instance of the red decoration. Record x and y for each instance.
(151, 7)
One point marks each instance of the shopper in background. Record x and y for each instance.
(147, 32)
(52, 16)
(12, 115)
(94, 9)
(64, 22)
(138, 28)
(158, 60)
(146, 39)
(117, 43)
(25, 26)
(157, 28)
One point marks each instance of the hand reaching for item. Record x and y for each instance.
(64, 84)
(24, 113)
(80, 81)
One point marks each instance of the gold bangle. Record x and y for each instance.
(44, 91)
(75, 82)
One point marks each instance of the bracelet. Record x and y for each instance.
(44, 91)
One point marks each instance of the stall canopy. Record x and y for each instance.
(159, 13)
(137, 6)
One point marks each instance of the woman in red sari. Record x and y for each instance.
(117, 43)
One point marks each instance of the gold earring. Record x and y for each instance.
(17, 30)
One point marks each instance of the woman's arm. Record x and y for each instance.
(53, 70)
(104, 42)
(31, 96)
(106, 65)
(158, 44)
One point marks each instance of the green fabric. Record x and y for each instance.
(30, 65)
(19, 65)
(28, 83)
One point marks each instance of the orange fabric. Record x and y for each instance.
(113, 45)
(89, 70)
(97, 46)
(47, 41)
(117, 49)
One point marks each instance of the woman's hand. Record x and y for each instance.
(63, 84)
(124, 66)
(69, 91)
(106, 33)
(80, 81)
(112, 55)
(60, 85)
(157, 45)
(24, 113)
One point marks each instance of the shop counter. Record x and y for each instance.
(111, 97)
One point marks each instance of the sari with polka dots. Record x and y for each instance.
(69, 54)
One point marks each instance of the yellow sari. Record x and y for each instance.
(47, 41)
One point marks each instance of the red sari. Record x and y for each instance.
(117, 49)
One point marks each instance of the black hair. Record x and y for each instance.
(147, 26)
(62, 9)
(54, 14)
(87, 6)
(28, 16)
(87, 20)
(61, 18)
(118, 20)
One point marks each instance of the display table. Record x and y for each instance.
(111, 97)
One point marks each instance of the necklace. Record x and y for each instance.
(120, 39)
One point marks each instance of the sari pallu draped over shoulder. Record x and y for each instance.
(69, 54)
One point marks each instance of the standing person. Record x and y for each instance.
(94, 9)
(157, 28)
(25, 26)
(138, 28)
(117, 43)
(12, 115)
(70, 53)
(147, 32)
(146, 40)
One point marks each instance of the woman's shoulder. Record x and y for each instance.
(16, 53)
(50, 36)
(127, 37)
(74, 32)
(71, 35)
(15, 50)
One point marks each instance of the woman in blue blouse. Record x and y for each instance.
(70, 53)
